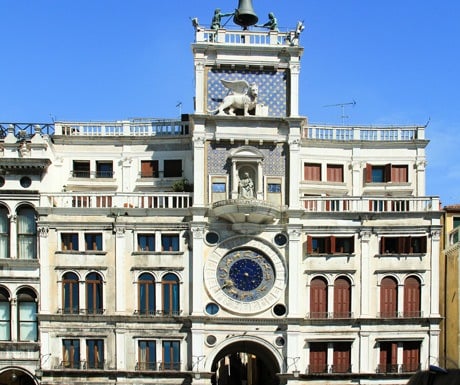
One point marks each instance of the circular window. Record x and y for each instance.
(2, 181)
(211, 340)
(25, 181)
(279, 341)
(212, 237)
(281, 239)
(212, 308)
(279, 310)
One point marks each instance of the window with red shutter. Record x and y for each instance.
(412, 297)
(318, 298)
(312, 171)
(388, 298)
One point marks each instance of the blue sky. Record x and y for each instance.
(111, 60)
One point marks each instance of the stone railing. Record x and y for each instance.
(370, 204)
(141, 127)
(246, 37)
(363, 133)
(168, 200)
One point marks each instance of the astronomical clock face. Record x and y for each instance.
(245, 275)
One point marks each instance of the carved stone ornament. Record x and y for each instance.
(435, 235)
(43, 231)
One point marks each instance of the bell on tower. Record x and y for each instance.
(245, 15)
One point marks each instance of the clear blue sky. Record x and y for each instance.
(112, 59)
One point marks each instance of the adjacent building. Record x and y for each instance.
(240, 244)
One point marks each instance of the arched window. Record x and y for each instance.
(27, 233)
(388, 298)
(342, 298)
(27, 315)
(94, 300)
(5, 315)
(146, 293)
(70, 294)
(4, 233)
(318, 298)
(412, 297)
(170, 285)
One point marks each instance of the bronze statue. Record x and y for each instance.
(271, 24)
(216, 19)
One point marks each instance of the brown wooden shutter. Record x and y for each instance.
(342, 361)
(318, 298)
(411, 356)
(342, 298)
(388, 297)
(412, 297)
(387, 173)
(309, 245)
(332, 247)
(368, 173)
(318, 357)
(382, 245)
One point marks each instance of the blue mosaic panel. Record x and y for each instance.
(274, 163)
(272, 88)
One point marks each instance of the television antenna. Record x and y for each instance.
(342, 107)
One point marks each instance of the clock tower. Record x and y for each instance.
(246, 134)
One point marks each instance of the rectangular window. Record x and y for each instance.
(274, 188)
(104, 169)
(218, 187)
(330, 245)
(69, 241)
(95, 354)
(171, 355)
(81, 169)
(170, 242)
(342, 357)
(399, 173)
(318, 357)
(149, 169)
(147, 355)
(386, 173)
(71, 354)
(403, 245)
(312, 171)
(456, 222)
(93, 241)
(146, 242)
(335, 173)
(411, 356)
(388, 362)
(172, 168)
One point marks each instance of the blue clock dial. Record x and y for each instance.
(245, 275)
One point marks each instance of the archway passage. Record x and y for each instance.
(245, 363)
(16, 377)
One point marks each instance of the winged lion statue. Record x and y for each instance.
(243, 96)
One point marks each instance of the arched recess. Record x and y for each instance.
(16, 375)
(245, 361)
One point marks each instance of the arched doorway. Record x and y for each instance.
(245, 363)
(16, 376)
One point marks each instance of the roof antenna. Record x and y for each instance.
(342, 106)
